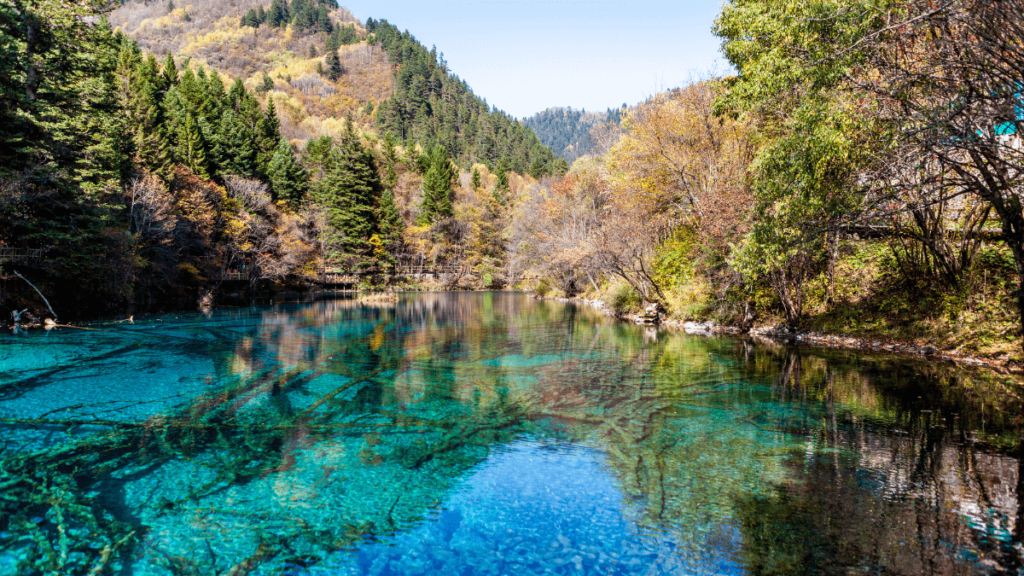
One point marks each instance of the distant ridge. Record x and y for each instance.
(568, 131)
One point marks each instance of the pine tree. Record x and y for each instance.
(261, 15)
(437, 187)
(192, 147)
(389, 224)
(170, 72)
(312, 51)
(502, 186)
(349, 192)
(334, 69)
(170, 5)
(234, 153)
(251, 19)
(476, 179)
(268, 134)
(287, 178)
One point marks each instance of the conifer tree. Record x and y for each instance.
(170, 72)
(334, 69)
(268, 131)
(389, 223)
(261, 15)
(234, 153)
(170, 5)
(287, 178)
(192, 147)
(502, 186)
(437, 187)
(390, 157)
(251, 18)
(312, 51)
(476, 179)
(349, 192)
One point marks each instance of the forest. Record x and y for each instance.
(143, 176)
(576, 133)
(859, 174)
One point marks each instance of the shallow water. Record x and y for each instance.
(491, 434)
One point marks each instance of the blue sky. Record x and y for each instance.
(525, 56)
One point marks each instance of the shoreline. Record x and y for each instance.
(809, 338)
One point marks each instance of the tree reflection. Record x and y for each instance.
(334, 422)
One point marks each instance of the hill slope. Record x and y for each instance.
(568, 132)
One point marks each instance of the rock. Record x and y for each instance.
(929, 350)
(49, 323)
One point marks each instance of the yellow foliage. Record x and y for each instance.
(186, 267)
(288, 106)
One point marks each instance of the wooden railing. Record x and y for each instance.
(8, 254)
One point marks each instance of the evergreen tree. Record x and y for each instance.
(349, 192)
(170, 72)
(287, 178)
(390, 225)
(334, 69)
(316, 157)
(251, 19)
(278, 16)
(192, 147)
(261, 15)
(390, 157)
(312, 51)
(170, 5)
(501, 187)
(268, 131)
(437, 187)
(234, 153)
(476, 179)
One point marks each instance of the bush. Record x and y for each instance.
(623, 299)
(543, 288)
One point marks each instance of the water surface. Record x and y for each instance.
(491, 434)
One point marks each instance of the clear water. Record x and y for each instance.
(491, 434)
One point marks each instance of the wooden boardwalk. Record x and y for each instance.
(8, 254)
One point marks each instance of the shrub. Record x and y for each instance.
(543, 288)
(623, 299)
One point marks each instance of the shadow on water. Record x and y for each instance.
(490, 434)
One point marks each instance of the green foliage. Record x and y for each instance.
(349, 192)
(567, 131)
(622, 299)
(434, 107)
(543, 288)
(287, 178)
(437, 186)
(390, 223)
(334, 68)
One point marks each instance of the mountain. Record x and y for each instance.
(433, 105)
(569, 132)
(157, 153)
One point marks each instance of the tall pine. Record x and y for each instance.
(437, 186)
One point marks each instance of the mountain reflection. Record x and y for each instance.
(305, 437)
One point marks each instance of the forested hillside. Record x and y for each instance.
(157, 154)
(575, 133)
(432, 105)
(860, 175)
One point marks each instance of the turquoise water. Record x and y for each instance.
(491, 434)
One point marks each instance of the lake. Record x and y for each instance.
(489, 433)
